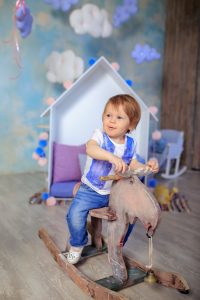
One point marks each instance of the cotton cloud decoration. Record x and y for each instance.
(64, 66)
(92, 20)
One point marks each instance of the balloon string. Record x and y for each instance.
(20, 3)
(16, 47)
(14, 38)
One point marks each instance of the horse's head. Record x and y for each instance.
(131, 198)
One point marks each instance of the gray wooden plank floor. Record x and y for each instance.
(27, 270)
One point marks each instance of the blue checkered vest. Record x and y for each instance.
(102, 168)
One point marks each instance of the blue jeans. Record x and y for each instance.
(85, 200)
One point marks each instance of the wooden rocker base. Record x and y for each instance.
(106, 288)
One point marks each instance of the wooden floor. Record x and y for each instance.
(28, 272)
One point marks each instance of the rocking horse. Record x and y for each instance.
(129, 201)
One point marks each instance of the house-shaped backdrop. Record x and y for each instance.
(78, 111)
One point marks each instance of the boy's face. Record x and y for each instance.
(116, 122)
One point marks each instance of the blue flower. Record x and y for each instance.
(44, 196)
(40, 152)
(129, 82)
(43, 143)
(91, 61)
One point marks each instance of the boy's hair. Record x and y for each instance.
(130, 106)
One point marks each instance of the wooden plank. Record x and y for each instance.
(103, 213)
(168, 279)
(88, 286)
(196, 120)
(178, 110)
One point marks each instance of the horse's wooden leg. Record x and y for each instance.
(116, 233)
(95, 229)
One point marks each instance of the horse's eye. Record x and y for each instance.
(131, 181)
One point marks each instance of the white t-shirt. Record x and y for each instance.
(96, 168)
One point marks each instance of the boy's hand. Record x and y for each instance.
(153, 164)
(119, 165)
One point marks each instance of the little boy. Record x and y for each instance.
(110, 150)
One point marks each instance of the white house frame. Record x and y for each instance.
(77, 112)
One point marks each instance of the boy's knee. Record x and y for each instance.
(74, 217)
(70, 213)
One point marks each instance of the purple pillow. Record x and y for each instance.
(63, 189)
(66, 166)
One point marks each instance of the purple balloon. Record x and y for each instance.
(24, 21)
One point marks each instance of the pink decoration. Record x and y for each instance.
(153, 109)
(51, 201)
(115, 66)
(49, 101)
(67, 84)
(42, 161)
(156, 135)
(44, 136)
(35, 156)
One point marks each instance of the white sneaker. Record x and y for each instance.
(74, 255)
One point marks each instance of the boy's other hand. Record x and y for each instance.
(153, 164)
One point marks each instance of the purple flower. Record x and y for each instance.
(63, 5)
(144, 53)
(123, 12)
(130, 2)
(54, 3)
(131, 6)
